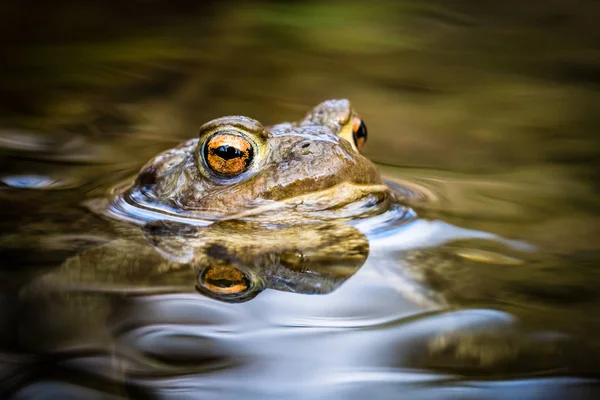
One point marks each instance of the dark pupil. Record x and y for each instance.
(227, 152)
(361, 133)
(223, 282)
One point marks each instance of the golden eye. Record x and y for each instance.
(228, 154)
(359, 133)
(224, 280)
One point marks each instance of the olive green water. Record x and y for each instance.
(489, 112)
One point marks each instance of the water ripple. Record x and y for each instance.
(43, 182)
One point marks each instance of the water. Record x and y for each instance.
(483, 117)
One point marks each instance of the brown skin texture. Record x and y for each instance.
(311, 156)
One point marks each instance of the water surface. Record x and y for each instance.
(484, 116)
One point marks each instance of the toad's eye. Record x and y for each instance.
(228, 154)
(359, 133)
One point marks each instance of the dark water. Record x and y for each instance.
(485, 286)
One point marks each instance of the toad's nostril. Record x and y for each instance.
(305, 145)
(148, 176)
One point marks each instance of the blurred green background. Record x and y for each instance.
(461, 85)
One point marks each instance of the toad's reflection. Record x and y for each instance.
(232, 261)
(236, 260)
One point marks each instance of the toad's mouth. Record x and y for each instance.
(344, 201)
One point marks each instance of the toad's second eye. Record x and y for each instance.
(359, 133)
(228, 154)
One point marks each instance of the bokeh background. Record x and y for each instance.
(467, 85)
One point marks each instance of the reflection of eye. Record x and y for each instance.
(224, 279)
(359, 133)
(228, 283)
(228, 154)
